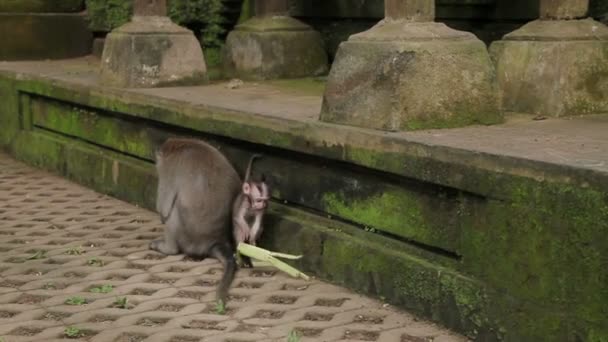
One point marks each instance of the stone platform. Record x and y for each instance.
(579, 142)
(59, 240)
(497, 232)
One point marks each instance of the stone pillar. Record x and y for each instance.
(556, 65)
(274, 45)
(152, 51)
(563, 9)
(43, 29)
(409, 72)
(412, 10)
(150, 8)
(271, 7)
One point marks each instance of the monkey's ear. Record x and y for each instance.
(246, 188)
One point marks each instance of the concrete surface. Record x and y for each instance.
(577, 142)
(58, 240)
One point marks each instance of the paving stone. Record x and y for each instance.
(59, 240)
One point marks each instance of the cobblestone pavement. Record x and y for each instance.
(70, 256)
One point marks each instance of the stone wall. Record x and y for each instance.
(496, 247)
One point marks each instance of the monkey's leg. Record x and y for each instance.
(244, 261)
(241, 234)
(167, 247)
(223, 253)
(168, 244)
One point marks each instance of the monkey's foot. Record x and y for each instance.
(162, 247)
(243, 261)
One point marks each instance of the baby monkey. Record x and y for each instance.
(248, 211)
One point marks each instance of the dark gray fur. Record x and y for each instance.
(196, 188)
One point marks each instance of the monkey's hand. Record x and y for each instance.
(242, 235)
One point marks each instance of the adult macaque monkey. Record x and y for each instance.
(196, 187)
(249, 206)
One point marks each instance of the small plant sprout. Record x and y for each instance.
(50, 286)
(76, 301)
(39, 254)
(370, 229)
(72, 332)
(220, 307)
(294, 336)
(106, 288)
(94, 261)
(75, 251)
(121, 303)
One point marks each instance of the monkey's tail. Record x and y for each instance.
(251, 160)
(223, 253)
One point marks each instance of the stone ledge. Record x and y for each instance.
(529, 230)
(287, 119)
(560, 30)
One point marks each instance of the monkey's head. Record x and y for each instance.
(258, 194)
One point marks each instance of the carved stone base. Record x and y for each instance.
(403, 76)
(274, 47)
(152, 51)
(554, 68)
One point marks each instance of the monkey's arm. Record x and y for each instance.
(256, 228)
(241, 229)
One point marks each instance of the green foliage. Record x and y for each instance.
(220, 307)
(105, 15)
(76, 301)
(94, 261)
(75, 251)
(121, 303)
(294, 336)
(106, 288)
(72, 332)
(204, 17)
(40, 254)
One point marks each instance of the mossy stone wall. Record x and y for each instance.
(496, 248)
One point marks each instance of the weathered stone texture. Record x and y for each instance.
(151, 52)
(150, 7)
(563, 9)
(43, 36)
(404, 76)
(416, 10)
(98, 44)
(554, 68)
(274, 47)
